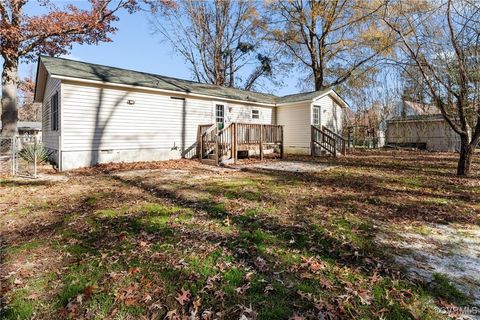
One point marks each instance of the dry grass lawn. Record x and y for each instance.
(179, 239)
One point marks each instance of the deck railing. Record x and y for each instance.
(340, 142)
(328, 140)
(224, 143)
(208, 140)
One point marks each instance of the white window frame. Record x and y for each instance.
(257, 116)
(54, 106)
(225, 108)
(318, 109)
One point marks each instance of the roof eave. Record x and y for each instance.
(335, 96)
(293, 102)
(187, 94)
(40, 81)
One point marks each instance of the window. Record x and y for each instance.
(255, 114)
(220, 115)
(54, 112)
(316, 115)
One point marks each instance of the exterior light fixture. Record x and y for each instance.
(131, 102)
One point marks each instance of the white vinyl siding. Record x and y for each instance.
(99, 118)
(98, 121)
(296, 121)
(243, 114)
(330, 113)
(50, 137)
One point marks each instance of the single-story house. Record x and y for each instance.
(97, 114)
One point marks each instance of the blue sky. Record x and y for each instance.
(135, 47)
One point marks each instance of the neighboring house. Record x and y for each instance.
(96, 114)
(420, 126)
(29, 129)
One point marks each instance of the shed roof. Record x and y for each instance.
(99, 73)
(28, 125)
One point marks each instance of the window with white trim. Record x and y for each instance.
(255, 114)
(54, 112)
(316, 115)
(220, 115)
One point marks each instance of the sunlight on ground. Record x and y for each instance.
(179, 238)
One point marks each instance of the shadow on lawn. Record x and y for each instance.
(433, 164)
(132, 262)
(251, 248)
(24, 183)
(369, 196)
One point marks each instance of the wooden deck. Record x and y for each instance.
(216, 145)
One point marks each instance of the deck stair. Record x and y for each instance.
(327, 141)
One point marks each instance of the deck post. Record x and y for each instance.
(217, 149)
(261, 142)
(282, 152)
(312, 145)
(235, 143)
(199, 147)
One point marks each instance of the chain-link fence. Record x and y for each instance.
(7, 155)
(21, 155)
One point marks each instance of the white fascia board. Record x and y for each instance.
(290, 103)
(335, 96)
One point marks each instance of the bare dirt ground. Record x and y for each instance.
(391, 235)
(432, 249)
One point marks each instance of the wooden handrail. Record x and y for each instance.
(208, 140)
(339, 140)
(325, 140)
(225, 142)
(333, 133)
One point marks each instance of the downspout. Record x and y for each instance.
(60, 137)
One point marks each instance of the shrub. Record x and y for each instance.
(31, 152)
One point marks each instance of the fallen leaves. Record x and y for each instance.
(183, 297)
(313, 264)
(316, 269)
(243, 289)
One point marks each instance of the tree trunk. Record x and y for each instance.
(318, 78)
(9, 97)
(466, 155)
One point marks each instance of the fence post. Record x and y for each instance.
(35, 158)
(13, 156)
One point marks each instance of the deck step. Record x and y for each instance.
(211, 162)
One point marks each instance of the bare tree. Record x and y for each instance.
(24, 36)
(334, 40)
(28, 110)
(221, 40)
(443, 41)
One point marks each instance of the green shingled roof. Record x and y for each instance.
(95, 72)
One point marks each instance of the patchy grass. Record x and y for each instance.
(443, 288)
(192, 240)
